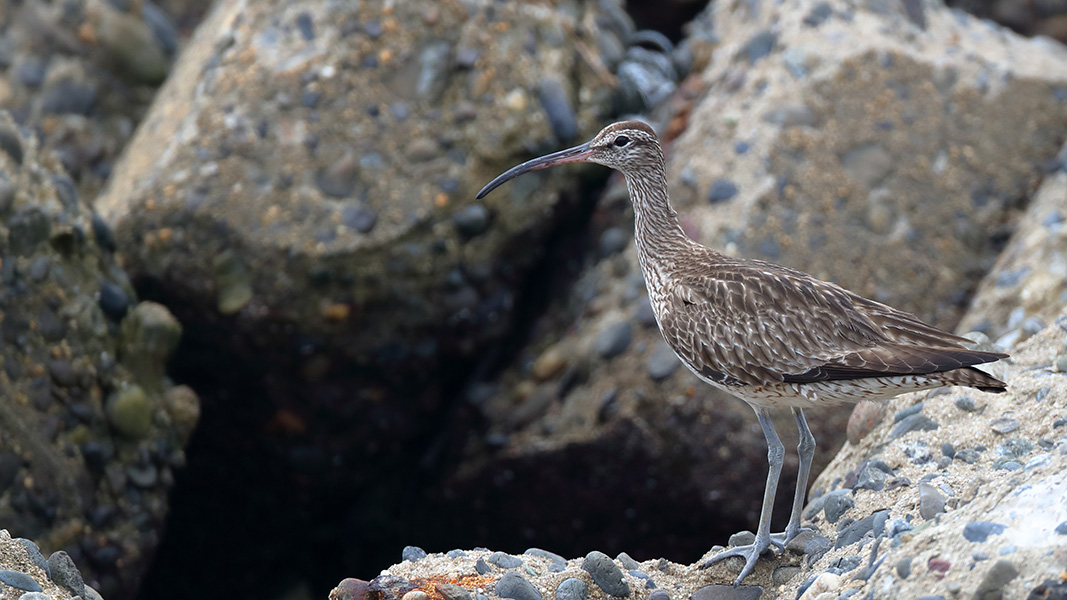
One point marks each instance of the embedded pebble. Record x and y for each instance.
(662, 362)
(35, 596)
(907, 412)
(659, 595)
(947, 449)
(627, 561)
(471, 220)
(871, 478)
(721, 190)
(914, 422)
(481, 566)
(760, 45)
(504, 560)
(904, 567)
(457, 553)
(728, 592)
(931, 502)
(1015, 447)
(995, 579)
(412, 553)
(360, 218)
(63, 572)
(451, 591)
(606, 574)
(966, 403)
(513, 585)
(979, 531)
(837, 504)
(113, 301)
(854, 532)
(1061, 529)
(415, 595)
(19, 580)
(1004, 425)
(35, 553)
(129, 412)
(613, 339)
(572, 589)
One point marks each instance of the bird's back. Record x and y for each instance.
(748, 325)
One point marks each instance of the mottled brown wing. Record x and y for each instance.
(757, 323)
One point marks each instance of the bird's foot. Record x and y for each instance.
(750, 552)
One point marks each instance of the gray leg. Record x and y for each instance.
(806, 450)
(775, 455)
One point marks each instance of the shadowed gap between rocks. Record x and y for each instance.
(264, 504)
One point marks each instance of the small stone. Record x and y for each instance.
(572, 589)
(19, 580)
(904, 567)
(866, 415)
(513, 585)
(613, 241)
(558, 109)
(1015, 447)
(481, 566)
(659, 595)
(907, 412)
(504, 561)
(721, 190)
(129, 412)
(915, 422)
(948, 450)
(837, 504)
(113, 301)
(966, 404)
(613, 339)
(1004, 425)
(63, 572)
(728, 592)
(791, 116)
(471, 220)
(550, 556)
(967, 455)
(340, 178)
(606, 574)
(931, 502)
(233, 285)
(350, 588)
(742, 538)
(992, 585)
(359, 217)
(450, 591)
(627, 561)
(854, 532)
(35, 553)
(415, 595)
(412, 553)
(979, 531)
(662, 362)
(36, 596)
(457, 553)
(784, 574)
(760, 45)
(871, 478)
(142, 476)
(1061, 529)
(549, 364)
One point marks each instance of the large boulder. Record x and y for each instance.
(307, 174)
(887, 146)
(779, 137)
(92, 428)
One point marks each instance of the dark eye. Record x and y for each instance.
(621, 141)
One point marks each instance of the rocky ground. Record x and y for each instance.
(27, 575)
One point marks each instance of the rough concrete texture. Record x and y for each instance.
(91, 427)
(1027, 286)
(886, 146)
(82, 73)
(996, 525)
(310, 169)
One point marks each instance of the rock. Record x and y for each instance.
(1004, 425)
(722, 190)
(19, 580)
(865, 416)
(513, 585)
(150, 334)
(837, 504)
(992, 584)
(504, 561)
(931, 502)
(915, 422)
(413, 553)
(130, 412)
(472, 220)
(606, 574)
(481, 566)
(550, 556)
(979, 531)
(63, 571)
(572, 589)
(904, 567)
(662, 362)
(613, 339)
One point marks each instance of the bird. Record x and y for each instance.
(773, 336)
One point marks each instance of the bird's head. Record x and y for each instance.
(627, 146)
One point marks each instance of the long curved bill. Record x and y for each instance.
(575, 154)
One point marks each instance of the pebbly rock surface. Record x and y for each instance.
(82, 73)
(882, 145)
(1028, 285)
(25, 574)
(307, 175)
(92, 428)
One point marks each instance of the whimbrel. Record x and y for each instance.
(770, 335)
